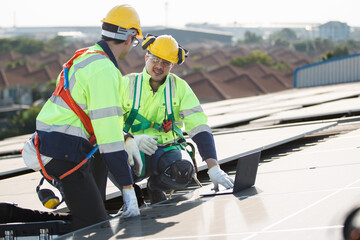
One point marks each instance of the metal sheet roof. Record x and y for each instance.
(307, 198)
(305, 194)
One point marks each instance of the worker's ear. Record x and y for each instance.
(129, 40)
(146, 57)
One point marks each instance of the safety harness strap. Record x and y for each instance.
(135, 107)
(62, 90)
(36, 143)
(169, 110)
(145, 123)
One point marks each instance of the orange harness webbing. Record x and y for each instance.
(63, 91)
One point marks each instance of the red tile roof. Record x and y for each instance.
(215, 78)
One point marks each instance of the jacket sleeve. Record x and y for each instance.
(106, 116)
(195, 121)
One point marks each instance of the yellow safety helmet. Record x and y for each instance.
(124, 16)
(165, 47)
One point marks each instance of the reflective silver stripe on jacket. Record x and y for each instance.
(179, 123)
(199, 129)
(78, 132)
(137, 92)
(172, 79)
(57, 100)
(168, 97)
(132, 79)
(112, 147)
(67, 129)
(105, 112)
(187, 112)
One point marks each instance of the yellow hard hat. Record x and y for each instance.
(124, 16)
(165, 47)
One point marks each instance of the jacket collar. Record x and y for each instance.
(146, 81)
(108, 51)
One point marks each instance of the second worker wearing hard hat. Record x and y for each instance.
(156, 105)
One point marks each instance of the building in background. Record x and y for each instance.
(335, 31)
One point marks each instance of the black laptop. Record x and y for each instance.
(246, 170)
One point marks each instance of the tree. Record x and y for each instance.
(313, 46)
(256, 56)
(56, 45)
(23, 122)
(280, 42)
(38, 92)
(14, 64)
(250, 37)
(261, 57)
(5, 45)
(286, 34)
(339, 51)
(27, 45)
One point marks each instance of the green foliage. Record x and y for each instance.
(5, 45)
(198, 68)
(250, 37)
(256, 56)
(279, 42)
(21, 45)
(23, 122)
(351, 43)
(282, 67)
(286, 34)
(300, 46)
(339, 51)
(14, 64)
(195, 58)
(313, 46)
(25, 45)
(322, 44)
(327, 56)
(56, 45)
(43, 93)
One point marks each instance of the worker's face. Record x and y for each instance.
(131, 42)
(157, 68)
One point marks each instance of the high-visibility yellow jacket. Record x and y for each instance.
(185, 106)
(94, 83)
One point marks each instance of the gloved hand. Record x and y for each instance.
(130, 208)
(218, 176)
(134, 158)
(147, 144)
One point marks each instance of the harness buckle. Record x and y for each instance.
(167, 125)
(92, 139)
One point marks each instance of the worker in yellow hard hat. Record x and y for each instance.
(156, 105)
(79, 131)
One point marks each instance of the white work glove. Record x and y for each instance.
(134, 158)
(130, 208)
(147, 144)
(218, 176)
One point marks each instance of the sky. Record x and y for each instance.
(177, 13)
